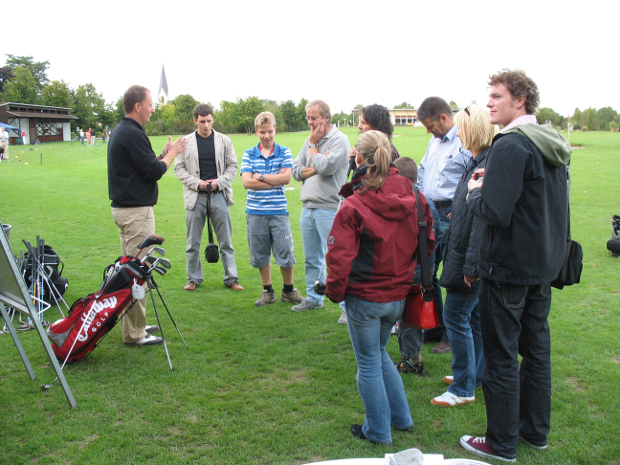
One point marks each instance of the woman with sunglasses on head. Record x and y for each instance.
(370, 263)
(459, 276)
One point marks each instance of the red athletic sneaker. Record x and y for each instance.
(479, 446)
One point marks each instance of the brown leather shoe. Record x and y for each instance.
(190, 286)
(235, 286)
(441, 348)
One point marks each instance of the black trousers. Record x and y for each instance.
(518, 398)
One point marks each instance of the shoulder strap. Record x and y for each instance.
(210, 228)
(423, 256)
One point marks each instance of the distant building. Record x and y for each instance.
(40, 122)
(403, 116)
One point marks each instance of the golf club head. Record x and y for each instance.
(164, 262)
(149, 259)
(161, 268)
(161, 271)
(148, 241)
(160, 250)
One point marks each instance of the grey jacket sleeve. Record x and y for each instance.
(338, 150)
(227, 177)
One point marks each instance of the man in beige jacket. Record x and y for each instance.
(209, 158)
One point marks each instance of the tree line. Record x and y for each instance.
(22, 80)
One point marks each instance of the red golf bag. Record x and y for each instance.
(92, 317)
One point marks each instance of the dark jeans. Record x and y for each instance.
(440, 251)
(518, 399)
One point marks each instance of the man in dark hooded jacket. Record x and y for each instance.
(521, 196)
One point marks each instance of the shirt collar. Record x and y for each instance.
(525, 119)
(451, 134)
(256, 153)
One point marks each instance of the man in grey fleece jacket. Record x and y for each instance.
(322, 168)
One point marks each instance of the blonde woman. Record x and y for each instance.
(459, 276)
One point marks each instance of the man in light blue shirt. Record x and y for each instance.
(439, 173)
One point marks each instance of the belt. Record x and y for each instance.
(442, 203)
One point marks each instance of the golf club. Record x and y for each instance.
(159, 270)
(153, 239)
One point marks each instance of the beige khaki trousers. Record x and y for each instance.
(134, 224)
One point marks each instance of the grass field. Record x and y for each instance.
(267, 385)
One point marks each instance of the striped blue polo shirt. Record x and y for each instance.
(266, 201)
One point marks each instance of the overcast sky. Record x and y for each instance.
(342, 51)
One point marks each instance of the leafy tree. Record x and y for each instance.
(184, 106)
(22, 88)
(244, 112)
(6, 74)
(342, 119)
(120, 109)
(578, 118)
(302, 122)
(88, 106)
(109, 117)
(590, 115)
(405, 105)
(38, 69)
(56, 94)
(221, 118)
(289, 116)
(605, 116)
(545, 114)
(453, 105)
(273, 107)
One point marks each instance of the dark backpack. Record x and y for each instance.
(53, 267)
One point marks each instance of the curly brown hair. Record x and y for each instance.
(517, 83)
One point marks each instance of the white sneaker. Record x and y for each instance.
(306, 305)
(447, 399)
(343, 318)
(149, 340)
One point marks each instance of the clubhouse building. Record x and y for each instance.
(40, 123)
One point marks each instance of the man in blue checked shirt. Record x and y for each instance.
(265, 170)
(439, 173)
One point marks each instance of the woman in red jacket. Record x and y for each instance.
(370, 262)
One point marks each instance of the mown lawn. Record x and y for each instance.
(267, 385)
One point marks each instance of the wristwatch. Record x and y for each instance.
(261, 177)
(313, 145)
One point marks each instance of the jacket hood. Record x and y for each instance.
(553, 146)
(394, 201)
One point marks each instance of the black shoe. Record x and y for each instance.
(405, 366)
(534, 444)
(356, 430)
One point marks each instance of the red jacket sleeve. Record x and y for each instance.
(342, 247)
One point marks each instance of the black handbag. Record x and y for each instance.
(212, 253)
(573, 257)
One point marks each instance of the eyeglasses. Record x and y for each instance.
(466, 109)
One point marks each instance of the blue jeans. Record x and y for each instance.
(518, 398)
(315, 224)
(379, 384)
(462, 318)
